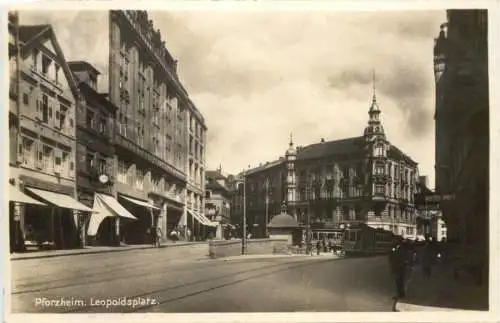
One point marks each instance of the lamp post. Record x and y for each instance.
(267, 204)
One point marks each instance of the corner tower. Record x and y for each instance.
(376, 147)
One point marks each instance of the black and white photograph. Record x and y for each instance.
(248, 161)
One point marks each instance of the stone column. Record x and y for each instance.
(164, 222)
(117, 230)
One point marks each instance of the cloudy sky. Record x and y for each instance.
(257, 76)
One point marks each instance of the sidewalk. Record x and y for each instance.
(97, 249)
(443, 293)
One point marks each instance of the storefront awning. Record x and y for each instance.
(61, 200)
(113, 204)
(106, 206)
(16, 195)
(202, 219)
(140, 203)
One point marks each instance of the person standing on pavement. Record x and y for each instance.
(427, 259)
(158, 236)
(401, 262)
(318, 247)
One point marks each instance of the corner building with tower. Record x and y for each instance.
(336, 184)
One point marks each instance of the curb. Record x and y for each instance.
(90, 251)
(406, 307)
(270, 256)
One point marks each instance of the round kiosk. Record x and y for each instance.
(284, 226)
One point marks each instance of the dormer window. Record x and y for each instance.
(45, 64)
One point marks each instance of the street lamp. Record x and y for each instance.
(267, 204)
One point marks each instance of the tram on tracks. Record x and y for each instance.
(365, 240)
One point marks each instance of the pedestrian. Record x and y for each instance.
(318, 247)
(401, 261)
(158, 236)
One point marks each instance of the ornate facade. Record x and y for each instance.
(363, 179)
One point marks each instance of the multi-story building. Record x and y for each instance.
(43, 101)
(350, 181)
(217, 200)
(95, 150)
(462, 126)
(160, 135)
(429, 216)
(235, 187)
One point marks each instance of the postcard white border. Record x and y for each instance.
(269, 5)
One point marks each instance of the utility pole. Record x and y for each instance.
(267, 205)
(244, 238)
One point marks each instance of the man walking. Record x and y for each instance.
(401, 262)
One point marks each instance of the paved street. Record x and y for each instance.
(183, 280)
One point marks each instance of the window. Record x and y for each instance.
(102, 126)
(90, 119)
(122, 172)
(379, 151)
(61, 116)
(26, 99)
(89, 161)
(57, 72)
(208, 194)
(155, 183)
(379, 169)
(45, 108)
(35, 54)
(58, 159)
(379, 189)
(45, 64)
(139, 179)
(102, 166)
(65, 158)
(48, 158)
(27, 151)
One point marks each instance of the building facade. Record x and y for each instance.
(160, 135)
(218, 201)
(95, 151)
(338, 183)
(429, 219)
(43, 102)
(462, 126)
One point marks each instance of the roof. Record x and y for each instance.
(26, 33)
(214, 185)
(283, 220)
(265, 166)
(32, 35)
(328, 148)
(83, 65)
(396, 153)
(215, 174)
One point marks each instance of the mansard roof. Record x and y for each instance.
(331, 148)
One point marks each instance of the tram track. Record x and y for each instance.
(196, 287)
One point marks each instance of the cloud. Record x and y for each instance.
(257, 76)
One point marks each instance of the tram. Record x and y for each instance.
(366, 240)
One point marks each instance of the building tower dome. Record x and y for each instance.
(291, 151)
(374, 129)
